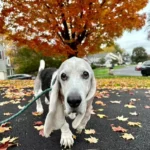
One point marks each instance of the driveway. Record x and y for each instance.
(127, 71)
(29, 138)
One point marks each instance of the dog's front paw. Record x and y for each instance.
(46, 133)
(67, 139)
(80, 129)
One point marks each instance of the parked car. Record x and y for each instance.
(138, 66)
(145, 68)
(20, 77)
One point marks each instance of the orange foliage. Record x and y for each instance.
(69, 27)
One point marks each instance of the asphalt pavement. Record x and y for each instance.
(29, 138)
(127, 71)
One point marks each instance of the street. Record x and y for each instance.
(127, 71)
(29, 138)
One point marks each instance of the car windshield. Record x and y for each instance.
(146, 63)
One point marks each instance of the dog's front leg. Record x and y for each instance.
(66, 136)
(86, 118)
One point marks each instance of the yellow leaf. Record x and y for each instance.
(7, 114)
(3, 129)
(3, 103)
(128, 136)
(39, 127)
(20, 107)
(115, 102)
(100, 110)
(129, 106)
(91, 139)
(74, 136)
(134, 113)
(135, 124)
(90, 131)
(14, 102)
(121, 118)
(13, 139)
(4, 140)
(101, 115)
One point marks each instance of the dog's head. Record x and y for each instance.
(75, 82)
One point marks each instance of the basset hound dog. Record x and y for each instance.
(73, 89)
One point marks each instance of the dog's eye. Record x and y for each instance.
(85, 75)
(64, 76)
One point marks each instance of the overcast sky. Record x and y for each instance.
(133, 39)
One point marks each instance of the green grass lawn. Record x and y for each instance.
(104, 72)
(101, 72)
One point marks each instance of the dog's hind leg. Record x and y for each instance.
(37, 91)
(39, 107)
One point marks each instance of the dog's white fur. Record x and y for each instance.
(58, 107)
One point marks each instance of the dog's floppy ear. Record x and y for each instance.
(92, 89)
(55, 117)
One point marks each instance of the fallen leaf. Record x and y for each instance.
(133, 99)
(131, 93)
(8, 142)
(100, 110)
(7, 114)
(41, 132)
(4, 140)
(91, 139)
(5, 127)
(128, 136)
(39, 127)
(36, 113)
(118, 129)
(4, 103)
(135, 124)
(147, 107)
(38, 123)
(121, 118)
(74, 136)
(129, 106)
(100, 103)
(14, 102)
(90, 131)
(20, 107)
(13, 139)
(98, 94)
(134, 113)
(115, 102)
(101, 115)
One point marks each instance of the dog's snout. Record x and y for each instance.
(74, 100)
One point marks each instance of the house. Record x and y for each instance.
(95, 59)
(6, 68)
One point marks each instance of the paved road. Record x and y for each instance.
(29, 138)
(127, 71)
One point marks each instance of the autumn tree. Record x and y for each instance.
(69, 27)
(139, 54)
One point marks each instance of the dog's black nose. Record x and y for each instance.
(74, 100)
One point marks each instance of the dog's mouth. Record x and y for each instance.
(74, 111)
